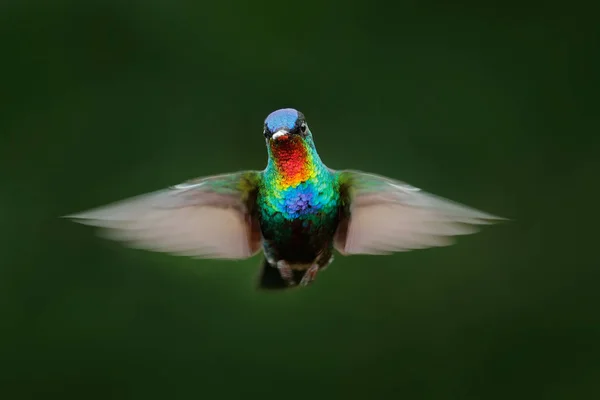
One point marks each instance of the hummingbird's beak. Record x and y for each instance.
(282, 133)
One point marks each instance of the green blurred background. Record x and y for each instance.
(491, 106)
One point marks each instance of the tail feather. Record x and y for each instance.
(270, 278)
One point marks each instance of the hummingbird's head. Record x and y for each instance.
(285, 124)
(290, 146)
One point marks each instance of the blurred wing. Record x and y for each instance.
(384, 216)
(209, 217)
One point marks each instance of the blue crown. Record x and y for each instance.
(282, 119)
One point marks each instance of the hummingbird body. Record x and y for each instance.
(298, 200)
(296, 210)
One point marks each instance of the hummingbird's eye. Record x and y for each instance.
(265, 131)
(303, 127)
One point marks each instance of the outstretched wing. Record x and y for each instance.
(210, 217)
(382, 216)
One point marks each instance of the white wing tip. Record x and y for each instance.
(488, 219)
(74, 216)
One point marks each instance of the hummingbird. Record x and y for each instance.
(296, 211)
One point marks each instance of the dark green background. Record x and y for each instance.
(493, 106)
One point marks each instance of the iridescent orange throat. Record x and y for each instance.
(294, 159)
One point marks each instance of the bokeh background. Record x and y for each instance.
(494, 106)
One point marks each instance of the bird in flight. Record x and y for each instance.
(296, 210)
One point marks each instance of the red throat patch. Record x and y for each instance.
(292, 160)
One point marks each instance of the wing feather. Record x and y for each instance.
(385, 216)
(206, 218)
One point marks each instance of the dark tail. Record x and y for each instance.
(270, 279)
